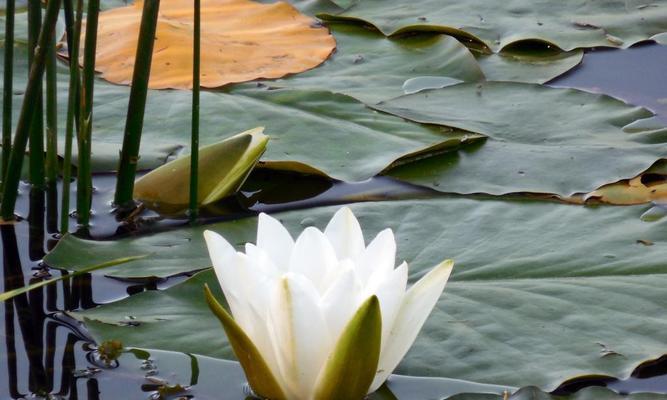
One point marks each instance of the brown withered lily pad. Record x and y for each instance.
(241, 40)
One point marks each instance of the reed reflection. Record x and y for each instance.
(31, 351)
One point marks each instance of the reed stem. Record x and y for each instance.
(194, 143)
(36, 156)
(28, 109)
(127, 167)
(8, 88)
(51, 165)
(72, 108)
(84, 188)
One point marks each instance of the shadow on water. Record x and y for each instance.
(48, 354)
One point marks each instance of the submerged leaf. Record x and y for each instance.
(223, 167)
(241, 40)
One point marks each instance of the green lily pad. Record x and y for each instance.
(660, 38)
(209, 378)
(307, 127)
(554, 291)
(312, 7)
(21, 25)
(567, 24)
(541, 139)
(527, 65)
(371, 67)
(362, 52)
(170, 253)
(590, 393)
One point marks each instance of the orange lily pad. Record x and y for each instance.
(241, 40)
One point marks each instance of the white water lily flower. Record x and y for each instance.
(322, 317)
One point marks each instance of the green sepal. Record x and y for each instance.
(223, 167)
(259, 375)
(351, 366)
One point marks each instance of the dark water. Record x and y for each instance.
(636, 75)
(46, 354)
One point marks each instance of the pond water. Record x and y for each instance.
(46, 354)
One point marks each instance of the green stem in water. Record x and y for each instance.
(129, 156)
(72, 108)
(51, 115)
(8, 86)
(84, 189)
(194, 143)
(32, 93)
(36, 155)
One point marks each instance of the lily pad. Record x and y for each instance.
(660, 38)
(362, 52)
(650, 186)
(306, 127)
(567, 24)
(541, 139)
(241, 40)
(21, 25)
(209, 378)
(590, 393)
(371, 67)
(545, 288)
(527, 65)
(312, 7)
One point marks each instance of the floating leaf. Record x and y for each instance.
(439, 59)
(660, 38)
(241, 40)
(213, 378)
(588, 393)
(361, 53)
(638, 190)
(306, 127)
(223, 167)
(567, 24)
(537, 286)
(530, 65)
(541, 139)
(21, 24)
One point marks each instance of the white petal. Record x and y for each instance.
(224, 259)
(300, 336)
(313, 257)
(379, 257)
(417, 305)
(345, 234)
(255, 288)
(275, 240)
(341, 300)
(390, 293)
(261, 260)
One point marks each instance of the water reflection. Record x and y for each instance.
(43, 347)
